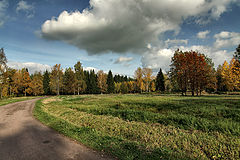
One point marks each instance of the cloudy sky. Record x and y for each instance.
(120, 35)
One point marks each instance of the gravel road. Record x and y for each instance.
(22, 137)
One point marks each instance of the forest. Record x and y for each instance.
(190, 72)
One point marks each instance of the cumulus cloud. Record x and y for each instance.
(203, 34)
(127, 25)
(157, 58)
(3, 7)
(32, 67)
(26, 8)
(91, 68)
(122, 60)
(226, 39)
(174, 42)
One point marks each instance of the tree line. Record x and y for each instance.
(190, 71)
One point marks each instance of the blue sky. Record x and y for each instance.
(120, 35)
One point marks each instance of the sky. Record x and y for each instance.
(120, 35)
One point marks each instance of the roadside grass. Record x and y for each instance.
(148, 126)
(6, 101)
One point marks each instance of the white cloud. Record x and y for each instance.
(203, 34)
(91, 68)
(175, 42)
(3, 7)
(122, 60)
(157, 58)
(226, 39)
(32, 67)
(127, 25)
(26, 8)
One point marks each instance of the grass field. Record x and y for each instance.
(148, 126)
(13, 100)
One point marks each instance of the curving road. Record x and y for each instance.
(24, 138)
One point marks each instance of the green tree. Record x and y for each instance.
(93, 87)
(69, 81)
(80, 78)
(46, 83)
(110, 82)
(237, 53)
(160, 81)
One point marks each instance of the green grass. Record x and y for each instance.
(148, 126)
(6, 101)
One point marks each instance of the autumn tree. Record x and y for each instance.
(191, 71)
(26, 82)
(124, 88)
(160, 81)
(110, 82)
(139, 79)
(80, 78)
(56, 78)
(147, 77)
(37, 84)
(3, 70)
(102, 81)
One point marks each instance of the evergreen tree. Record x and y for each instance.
(110, 82)
(237, 53)
(160, 81)
(93, 87)
(46, 83)
(69, 81)
(80, 82)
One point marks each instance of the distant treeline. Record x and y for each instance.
(190, 71)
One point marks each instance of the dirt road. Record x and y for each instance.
(24, 138)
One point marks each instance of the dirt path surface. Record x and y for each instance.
(24, 138)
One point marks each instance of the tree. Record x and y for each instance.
(37, 84)
(235, 73)
(80, 78)
(102, 81)
(147, 77)
(191, 70)
(69, 81)
(56, 78)
(237, 53)
(139, 78)
(110, 82)
(124, 87)
(3, 70)
(160, 81)
(26, 82)
(46, 83)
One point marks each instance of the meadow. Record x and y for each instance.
(148, 126)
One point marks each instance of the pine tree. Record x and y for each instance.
(160, 81)
(237, 53)
(93, 88)
(46, 83)
(80, 78)
(69, 81)
(110, 82)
